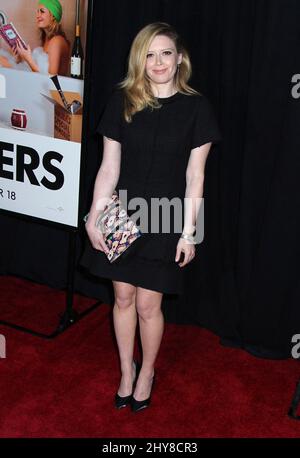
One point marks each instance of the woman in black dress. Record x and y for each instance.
(157, 133)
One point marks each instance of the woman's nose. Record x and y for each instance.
(158, 59)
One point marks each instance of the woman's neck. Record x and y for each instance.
(164, 90)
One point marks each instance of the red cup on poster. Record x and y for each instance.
(18, 119)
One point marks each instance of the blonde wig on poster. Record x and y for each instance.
(136, 85)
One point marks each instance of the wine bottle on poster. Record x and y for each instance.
(77, 56)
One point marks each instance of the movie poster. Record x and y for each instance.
(42, 57)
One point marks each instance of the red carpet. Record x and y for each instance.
(65, 387)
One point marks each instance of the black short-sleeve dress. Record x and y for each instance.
(156, 147)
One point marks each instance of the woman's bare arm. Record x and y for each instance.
(105, 183)
(193, 197)
(26, 55)
(194, 186)
(107, 177)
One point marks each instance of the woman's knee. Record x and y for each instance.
(148, 304)
(124, 296)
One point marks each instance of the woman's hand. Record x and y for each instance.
(16, 55)
(186, 247)
(96, 237)
(24, 54)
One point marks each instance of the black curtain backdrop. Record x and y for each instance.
(244, 286)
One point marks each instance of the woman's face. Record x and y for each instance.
(162, 60)
(43, 17)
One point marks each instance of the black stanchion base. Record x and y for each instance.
(69, 318)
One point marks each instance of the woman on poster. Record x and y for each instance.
(53, 56)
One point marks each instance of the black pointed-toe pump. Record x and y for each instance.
(123, 401)
(140, 405)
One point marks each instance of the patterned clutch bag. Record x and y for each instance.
(119, 231)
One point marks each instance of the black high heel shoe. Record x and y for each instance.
(123, 401)
(139, 405)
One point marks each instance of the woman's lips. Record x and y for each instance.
(160, 72)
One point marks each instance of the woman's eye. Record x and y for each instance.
(149, 55)
(167, 53)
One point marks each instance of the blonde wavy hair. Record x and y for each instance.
(53, 30)
(136, 85)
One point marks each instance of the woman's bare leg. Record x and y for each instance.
(125, 320)
(151, 321)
